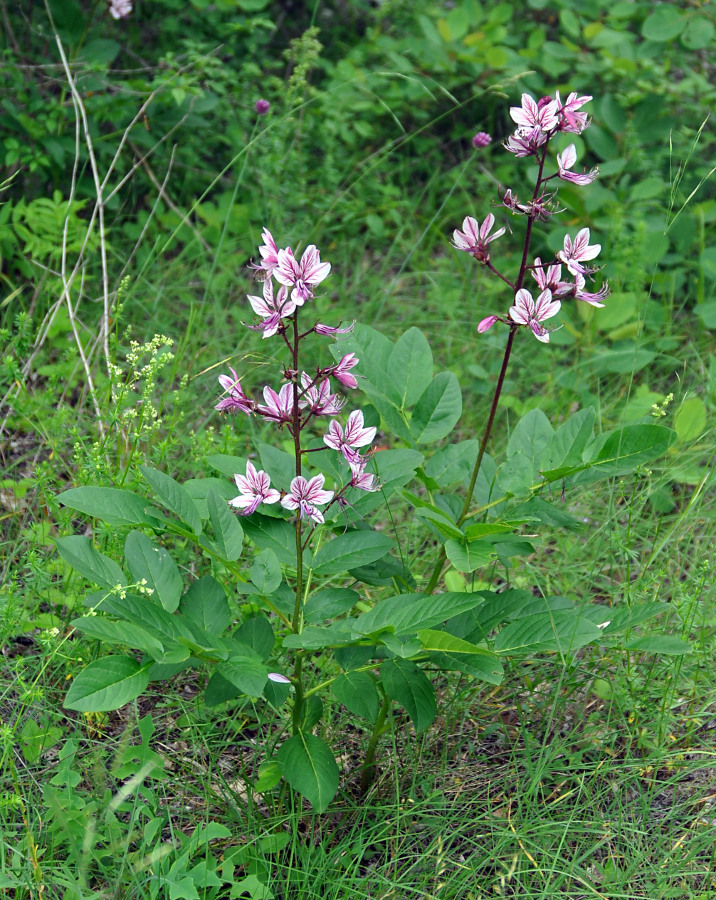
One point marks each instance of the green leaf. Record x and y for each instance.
(228, 533)
(373, 349)
(227, 465)
(150, 563)
(690, 422)
(174, 496)
(698, 33)
(266, 572)
(411, 366)
(567, 444)
(396, 467)
(205, 604)
(438, 409)
(349, 550)
(112, 505)
(149, 615)
(408, 613)
(269, 776)
(275, 534)
(438, 518)
(358, 693)
(625, 449)
(126, 633)
(524, 452)
(456, 655)
(310, 768)
(664, 24)
(471, 555)
(77, 551)
(405, 683)
(452, 463)
(659, 643)
(106, 684)
(280, 466)
(100, 52)
(245, 670)
(707, 313)
(256, 633)
(329, 604)
(314, 637)
(563, 631)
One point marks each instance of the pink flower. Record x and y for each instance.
(271, 310)
(355, 435)
(328, 329)
(268, 251)
(550, 279)
(531, 115)
(361, 480)
(278, 678)
(279, 407)
(569, 119)
(318, 397)
(255, 489)
(304, 495)
(120, 9)
(486, 324)
(303, 276)
(341, 371)
(481, 139)
(566, 160)
(593, 299)
(526, 143)
(237, 401)
(527, 311)
(473, 238)
(577, 251)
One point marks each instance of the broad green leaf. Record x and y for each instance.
(408, 613)
(228, 533)
(393, 419)
(470, 555)
(659, 643)
(206, 605)
(452, 463)
(245, 670)
(107, 683)
(280, 466)
(329, 604)
(395, 467)
(346, 551)
(220, 690)
(149, 615)
(567, 444)
(310, 768)
(358, 693)
(112, 505)
(314, 637)
(373, 349)
(127, 633)
(256, 633)
(439, 520)
(524, 452)
(698, 33)
(275, 534)
(227, 465)
(405, 683)
(453, 653)
(438, 409)
(562, 631)
(475, 625)
(78, 552)
(269, 776)
(623, 450)
(174, 497)
(266, 571)
(690, 422)
(411, 366)
(664, 24)
(151, 564)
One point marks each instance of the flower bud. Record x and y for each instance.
(481, 139)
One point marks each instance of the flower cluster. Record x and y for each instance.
(537, 122)
(288, 284)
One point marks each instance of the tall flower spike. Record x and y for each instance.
(527, 311)
(473, 238)
(302, 276)
(254, 489)
(305, 495)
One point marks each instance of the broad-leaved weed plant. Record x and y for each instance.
(331, 601)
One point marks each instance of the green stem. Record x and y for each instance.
(366, 778)
(297, 621)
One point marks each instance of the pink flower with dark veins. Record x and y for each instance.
(237, 401)
(305, 495)
(254, 489)
(549, 278)
(594, 299)
(268, 251)
(354, 436)
(569, 119)
(328, 329)
(473, 238)
(360, 479)
(302, 276)
(318, 397)
(527, 143)
(566, 160)
(528, 311)
(531, 114)
(341, 371)
(270, 309)
(577, 251)
(486, 324)
(279, 407)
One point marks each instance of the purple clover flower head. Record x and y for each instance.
(305, 495)
(355, 435)
(236, 401)
(481, 139)
(254, 489)
(262, 106)
(120, 9)
(577, 251)
(302, 276)
(473, 238)
(528, 311)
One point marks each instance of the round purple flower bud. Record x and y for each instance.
(262, 107)
(481, 139)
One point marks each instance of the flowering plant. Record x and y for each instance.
(312, 621)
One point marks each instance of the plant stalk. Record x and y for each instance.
(366, 778)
